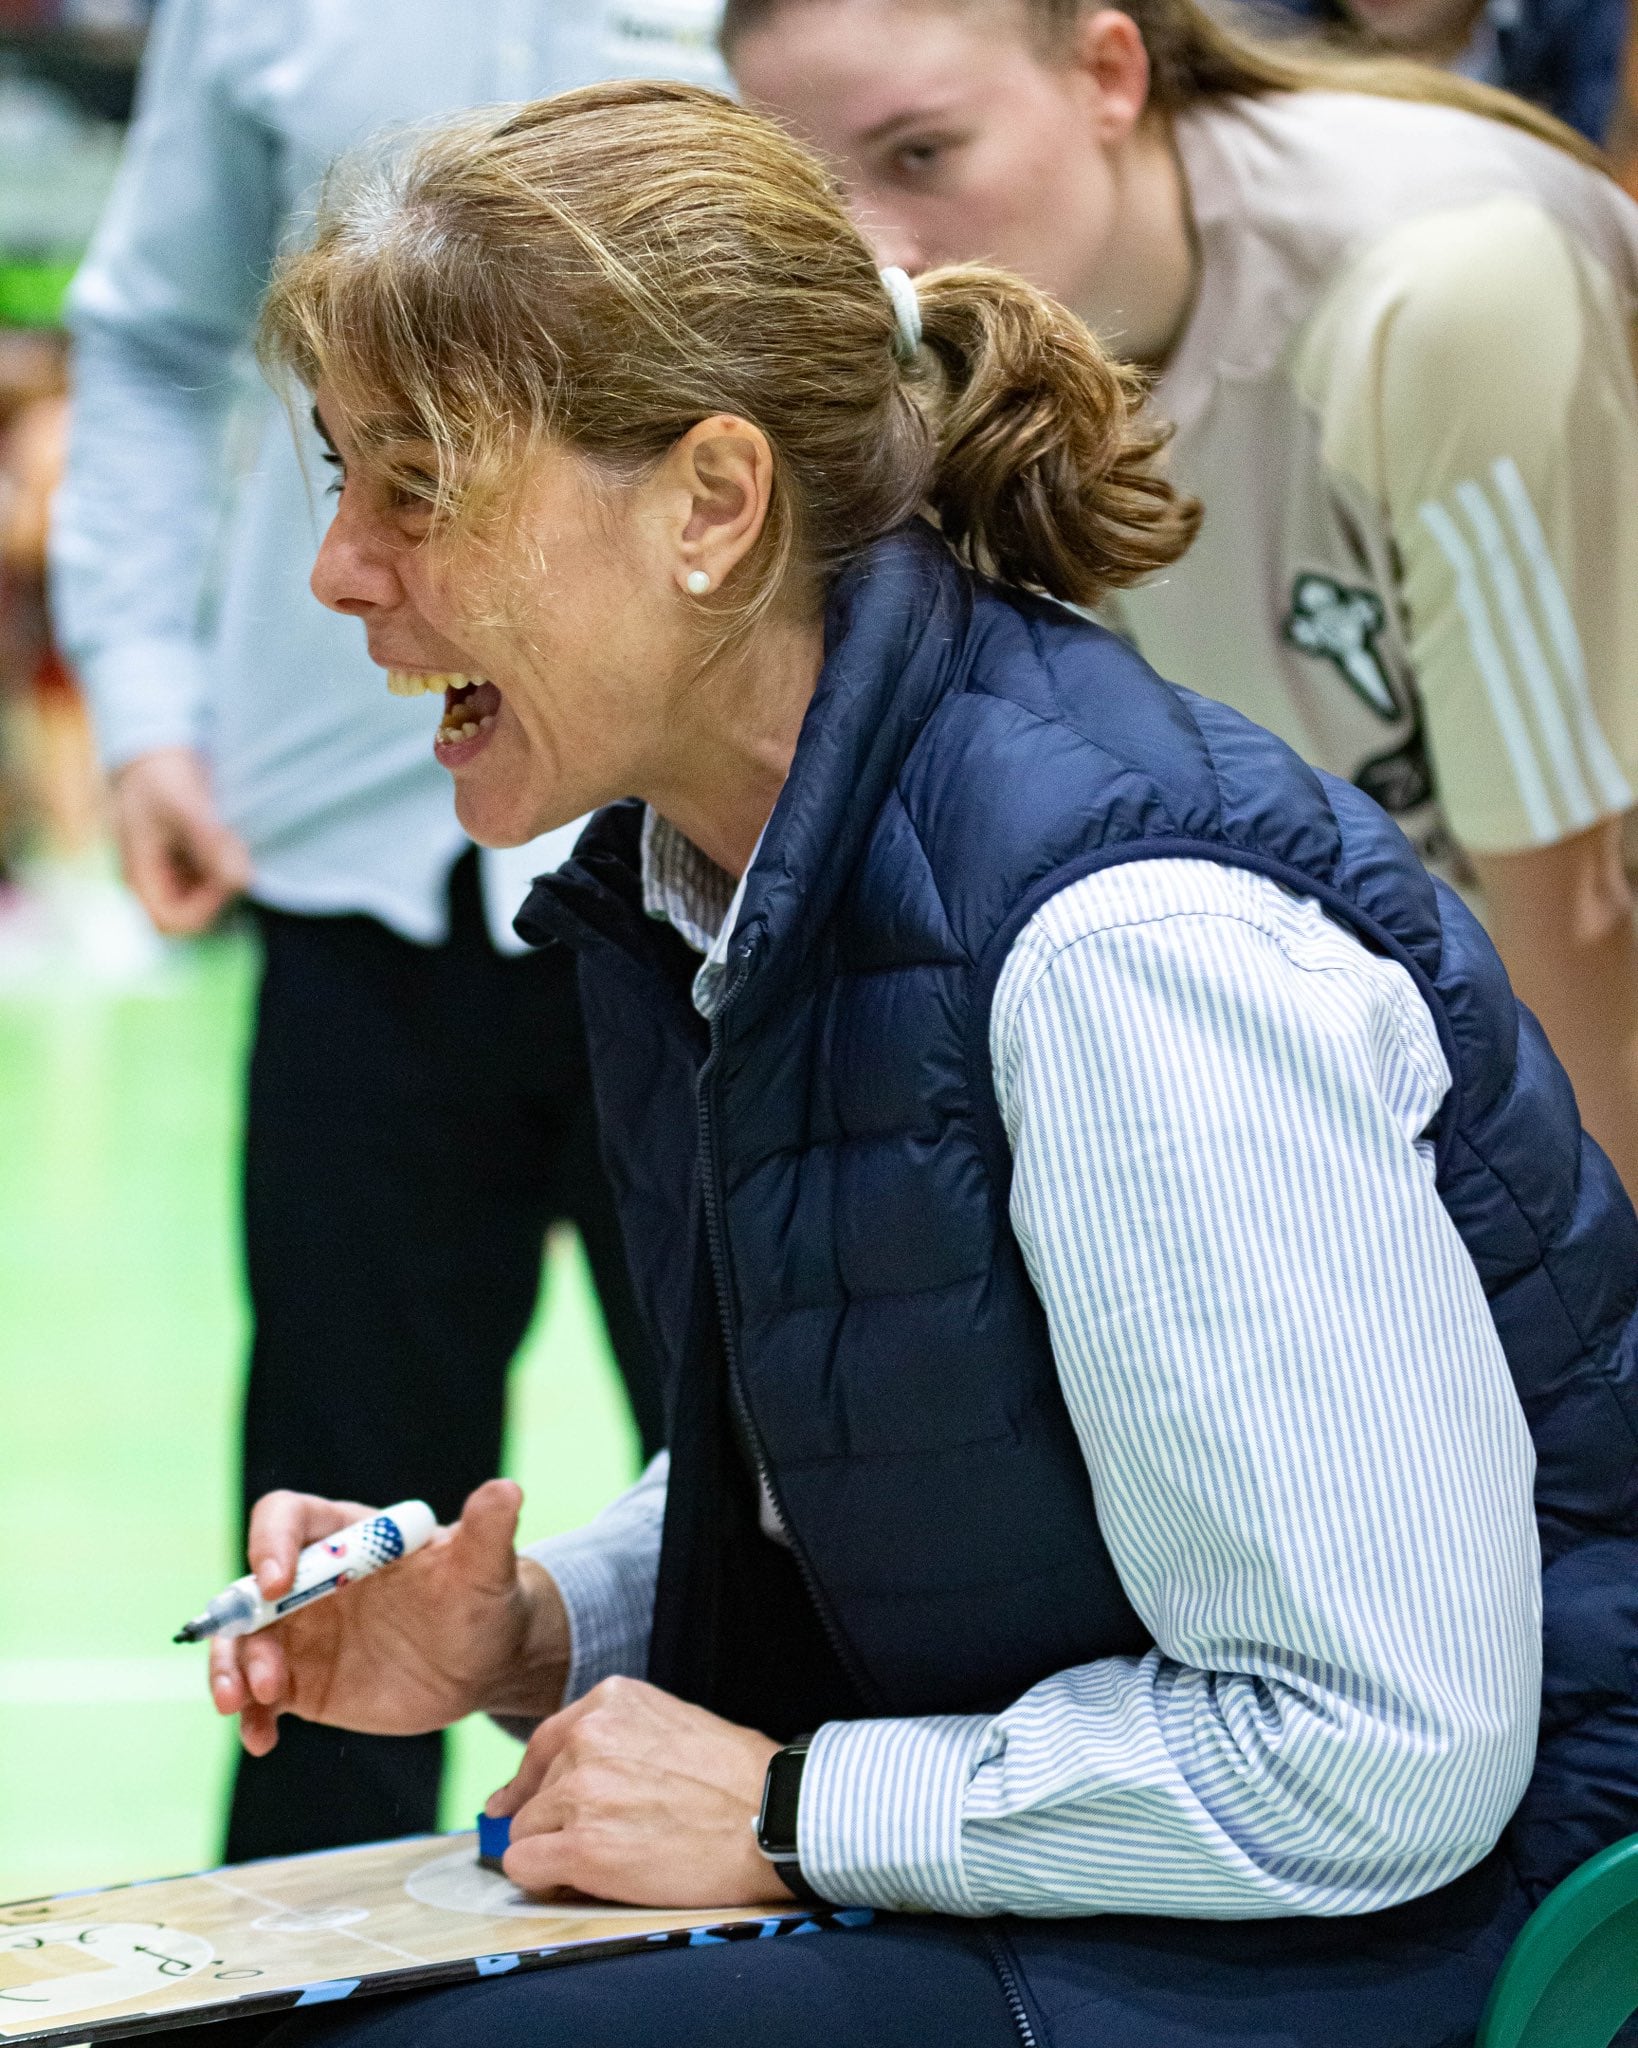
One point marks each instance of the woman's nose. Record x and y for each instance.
(354, 572)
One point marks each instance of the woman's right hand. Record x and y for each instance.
(183, 863)
(462, 1626)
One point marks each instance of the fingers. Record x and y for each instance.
(542, 1864)
(180, 894)
(162, 891)
(184, 864)
(249, 1669)
(228, 862)
(258, 1730)
(197, 869)
(483, 1542)
(250, 1677)
(546, 1747)
(619, 1829)
(228, 1690)
(281, 1527)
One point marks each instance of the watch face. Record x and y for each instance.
(776, 1829)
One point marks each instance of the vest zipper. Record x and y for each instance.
(710, 1185)
(710, 1188)
(996, 1944)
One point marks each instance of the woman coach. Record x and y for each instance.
(1121, 1254)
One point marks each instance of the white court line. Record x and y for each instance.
(243, 1891)
(100, 1681)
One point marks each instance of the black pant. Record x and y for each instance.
(417, 1117)
(899, 1984)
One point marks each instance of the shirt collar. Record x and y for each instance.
(700, 901)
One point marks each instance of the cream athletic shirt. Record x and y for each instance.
(1407, 400)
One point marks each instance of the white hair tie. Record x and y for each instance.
(906, 311)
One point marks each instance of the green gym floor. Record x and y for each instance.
(121, 1337)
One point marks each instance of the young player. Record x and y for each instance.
(1390, 313)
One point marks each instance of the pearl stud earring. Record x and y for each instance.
(697, 582)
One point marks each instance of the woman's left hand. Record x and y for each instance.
(630, 1794)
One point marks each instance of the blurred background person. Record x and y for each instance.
(397, 1188)
(64, 921)
(1565, 55)
(1622, 140)
(48, 791)
(1395, 341)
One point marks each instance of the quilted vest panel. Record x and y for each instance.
(815, 1197)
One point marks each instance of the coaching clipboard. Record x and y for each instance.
(308, 1930)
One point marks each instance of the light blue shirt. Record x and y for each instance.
(187, 525)
(1312, 1471)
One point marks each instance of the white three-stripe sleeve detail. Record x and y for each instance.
(1492, 667)
(1309, 1463)
(1614, 790)
(1542, 686)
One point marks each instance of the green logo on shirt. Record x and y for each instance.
(1340, 625)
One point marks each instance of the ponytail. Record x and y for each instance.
(1042, 453)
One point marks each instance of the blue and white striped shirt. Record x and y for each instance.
(1312, 1471)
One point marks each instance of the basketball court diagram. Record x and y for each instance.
(306, 1930)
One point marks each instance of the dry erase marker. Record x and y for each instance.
(325, 1567)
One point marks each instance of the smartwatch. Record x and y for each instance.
(776, 1824)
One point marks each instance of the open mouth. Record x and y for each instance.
(470, 702)
(470, 705)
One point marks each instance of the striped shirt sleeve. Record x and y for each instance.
(605, 1573)
(1310, 1465)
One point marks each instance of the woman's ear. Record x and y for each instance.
(719, 481)
(1107, 49)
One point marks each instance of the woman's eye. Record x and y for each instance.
(914, 162)
(413, 492)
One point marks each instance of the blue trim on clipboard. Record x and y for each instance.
(326, 1994)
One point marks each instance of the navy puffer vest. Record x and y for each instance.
(815, 1195)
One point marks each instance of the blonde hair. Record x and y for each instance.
(1195, 55)
(608, 267)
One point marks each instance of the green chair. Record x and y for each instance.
(1571, 1977)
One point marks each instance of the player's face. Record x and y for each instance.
(553, 646)
(956, 137)
(1435, 29)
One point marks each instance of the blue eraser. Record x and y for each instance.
(493, 1838)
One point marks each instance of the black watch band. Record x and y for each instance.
(776, 1833)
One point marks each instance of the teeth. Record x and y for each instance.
(404, 682)
(451, 730)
